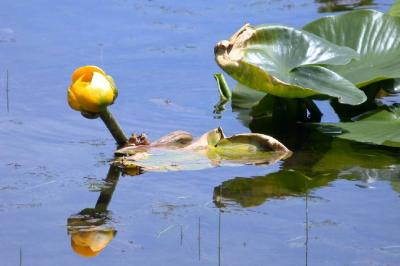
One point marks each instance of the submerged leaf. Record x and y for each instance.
(210, 150)
(281, 61)
(381, 127)
(374, 35)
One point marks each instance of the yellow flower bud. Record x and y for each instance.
(91, 243)
(91, 90)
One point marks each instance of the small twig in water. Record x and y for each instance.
(165, 230)
(181, 236)
(8, 99)
(219, 229)
(20, 256)
(199, 242)
(40, 185)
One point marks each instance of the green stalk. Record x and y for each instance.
(224, 91)
(113, 127)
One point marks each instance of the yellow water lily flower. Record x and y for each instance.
(91, 90)
(91, 243)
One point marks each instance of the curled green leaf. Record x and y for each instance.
(374, 35)
(282, 61)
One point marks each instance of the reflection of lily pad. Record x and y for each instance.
(250, 192)
(345, 154)
(210, 150)
(316, 166)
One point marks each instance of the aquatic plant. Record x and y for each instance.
(349, 58)
(91, 92)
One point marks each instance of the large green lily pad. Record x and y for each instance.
(374, 35)
(381, 127)
(286, 62)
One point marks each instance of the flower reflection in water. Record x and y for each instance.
(91, 229)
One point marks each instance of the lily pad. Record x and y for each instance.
(374, 35)
(286, 62)
(381, 127)
(210, 150)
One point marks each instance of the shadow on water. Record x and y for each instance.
(318, 160)
(91, 229)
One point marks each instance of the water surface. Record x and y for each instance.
(333, 203)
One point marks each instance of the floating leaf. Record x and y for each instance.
(381, 127)
(210, 150)
(283, 61)
(374, 35)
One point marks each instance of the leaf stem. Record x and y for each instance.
(224, 91)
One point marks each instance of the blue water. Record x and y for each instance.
(160, 54)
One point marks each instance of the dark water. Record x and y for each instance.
(332, 203)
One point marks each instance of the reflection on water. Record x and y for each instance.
(254, 191)
(50, 151)
(314, 166)
(91, 230)
(343, 5)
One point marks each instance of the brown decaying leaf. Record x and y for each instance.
(178, 151)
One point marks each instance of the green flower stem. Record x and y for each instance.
(113, 127)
